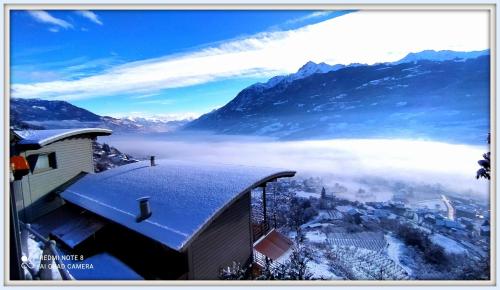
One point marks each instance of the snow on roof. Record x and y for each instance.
(40, 138)
(273, 245)
(104, 267)
(184, 196)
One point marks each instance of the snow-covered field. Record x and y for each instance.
(366, 240)
(320, 267)
(316, 236)
(448, 244)
(394, 251)
(364, 264)
(434, 204)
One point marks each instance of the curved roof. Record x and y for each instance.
(39, 138)
(184, 196)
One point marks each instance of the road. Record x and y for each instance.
(449, 206)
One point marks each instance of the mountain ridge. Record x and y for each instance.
(323, 101)
(47, 114)
(445, 98)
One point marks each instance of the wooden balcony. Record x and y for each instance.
(260, 230)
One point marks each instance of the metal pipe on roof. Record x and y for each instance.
(153, 161)
(145, 209)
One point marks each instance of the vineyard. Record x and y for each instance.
(374, 241)
(363, 264)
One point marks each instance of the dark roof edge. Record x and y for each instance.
(281, 174)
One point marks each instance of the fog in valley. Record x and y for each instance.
(372, 164)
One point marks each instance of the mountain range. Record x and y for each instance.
(44, 114)
(438, 95)
(441, 95)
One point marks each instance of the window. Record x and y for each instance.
(42, 162)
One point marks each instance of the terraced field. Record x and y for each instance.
(364, 264)
(374, 241)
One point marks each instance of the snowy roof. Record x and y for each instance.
(104, 267)
(184, 196)
(273, 245)
(39, 138)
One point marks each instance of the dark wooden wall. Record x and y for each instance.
(228, 238)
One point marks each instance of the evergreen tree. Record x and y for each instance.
(322, 200)
(484, 171)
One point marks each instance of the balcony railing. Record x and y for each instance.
(260, 230)
(44, 271)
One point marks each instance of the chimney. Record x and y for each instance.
(145, 210)
(153, 161)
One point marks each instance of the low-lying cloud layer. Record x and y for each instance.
(453, 166)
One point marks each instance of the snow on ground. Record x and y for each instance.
(319, 267)
(367, 264)
(34, 256)
(364, 240)
(448, 244)
(317, 225)
(431, 204)
(321, 270)
(316, 236)
(327, 215)
(344, 208)
(394, 248)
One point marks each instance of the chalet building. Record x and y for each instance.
(159, 219)
(55, 157)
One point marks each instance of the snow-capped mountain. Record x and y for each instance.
(159, 123)
(445, 97)
(306, 70)
(442, 55)
(44, 114)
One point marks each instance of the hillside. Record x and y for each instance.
(444, 97)
(44, 114)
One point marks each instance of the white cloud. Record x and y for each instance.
(363, 37)
(310, 16)
(45, 17)
(144, 96)
(90, 16)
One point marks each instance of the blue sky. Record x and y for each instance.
(43, 51)
(185, 63)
